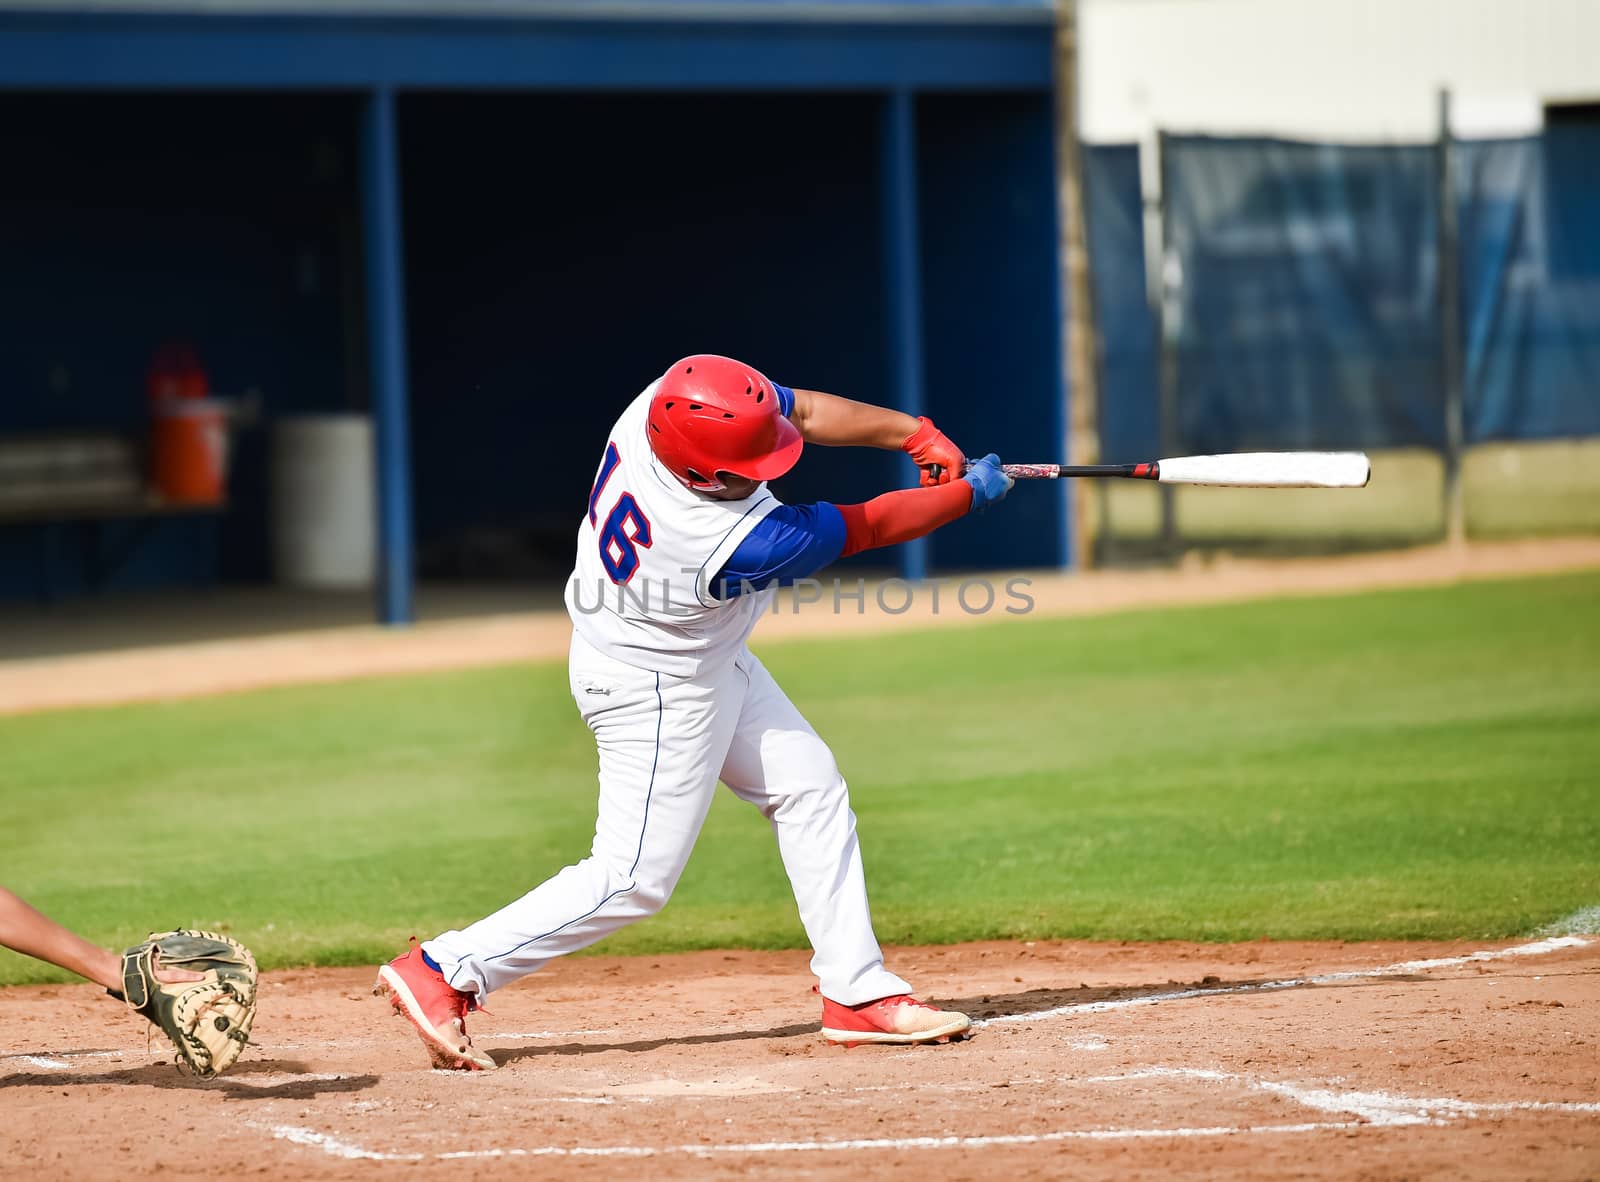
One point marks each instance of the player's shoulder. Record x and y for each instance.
(723, 521)
(759, 503)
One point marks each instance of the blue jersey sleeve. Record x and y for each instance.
(785, 398)
(792, 542)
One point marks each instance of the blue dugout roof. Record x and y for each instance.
(534, 44)
(892, 11)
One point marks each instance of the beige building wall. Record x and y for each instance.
(1363, 70)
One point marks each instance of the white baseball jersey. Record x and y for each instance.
(648, 548)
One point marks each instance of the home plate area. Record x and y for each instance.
(1261, 1060)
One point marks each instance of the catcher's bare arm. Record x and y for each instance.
(32, 933)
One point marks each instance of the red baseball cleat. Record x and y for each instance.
(423, 997)
(898, 1019)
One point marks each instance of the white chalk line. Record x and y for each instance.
(1402, 969)
(338, 1147)
(335, 1146)
(44, 1061)
(952, 1142)
(62, 1060)
(1367, 1109)
(1583, 922)
(1374, 1108)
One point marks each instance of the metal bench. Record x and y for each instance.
(82, 481)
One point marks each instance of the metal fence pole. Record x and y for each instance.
(1169, 319)
(1450, 363)
(1081, 386)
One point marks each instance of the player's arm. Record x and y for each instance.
(833, 421)
(32, 933)
(909, 513)
(24, 930)
(796, 541)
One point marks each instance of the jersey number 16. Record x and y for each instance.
(625, 528)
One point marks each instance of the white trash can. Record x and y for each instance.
(324, 502)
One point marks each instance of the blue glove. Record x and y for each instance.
(989, 482)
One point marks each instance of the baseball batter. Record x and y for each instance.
(681, 548)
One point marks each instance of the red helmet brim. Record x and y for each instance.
(777, 461)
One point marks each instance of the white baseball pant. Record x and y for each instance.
(664, 742)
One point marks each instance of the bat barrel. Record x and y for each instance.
(1271, 469)
(1261, 469)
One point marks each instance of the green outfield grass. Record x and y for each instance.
(1403, 764)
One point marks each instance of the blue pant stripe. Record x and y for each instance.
(655, 762)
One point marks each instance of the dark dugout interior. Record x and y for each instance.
(562, 250)
(226, 221)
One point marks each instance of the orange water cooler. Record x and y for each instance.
(188, 431)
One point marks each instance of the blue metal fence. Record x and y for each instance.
(1129, 424)
(1308, 297)
(1530, 276)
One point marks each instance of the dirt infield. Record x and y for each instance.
(1263, 1060)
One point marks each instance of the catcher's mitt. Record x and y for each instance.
(207, 1020)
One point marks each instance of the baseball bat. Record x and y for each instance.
(1253, 469)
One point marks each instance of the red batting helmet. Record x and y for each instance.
(713, 414)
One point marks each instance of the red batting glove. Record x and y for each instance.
(929, 446)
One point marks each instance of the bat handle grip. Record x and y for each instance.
(937, 470)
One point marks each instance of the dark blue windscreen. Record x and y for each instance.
(1530, 255)
(1129, 424)
(1309, 296)
(1309, 313)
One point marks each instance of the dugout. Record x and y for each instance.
(489, 224)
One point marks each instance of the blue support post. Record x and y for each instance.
(902, 267)
(386, 346)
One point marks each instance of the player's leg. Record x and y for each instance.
(778, 763)
(661, 741)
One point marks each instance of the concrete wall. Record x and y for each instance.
(1331, 69)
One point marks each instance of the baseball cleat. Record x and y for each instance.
(899, 1019)
(422, 996)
